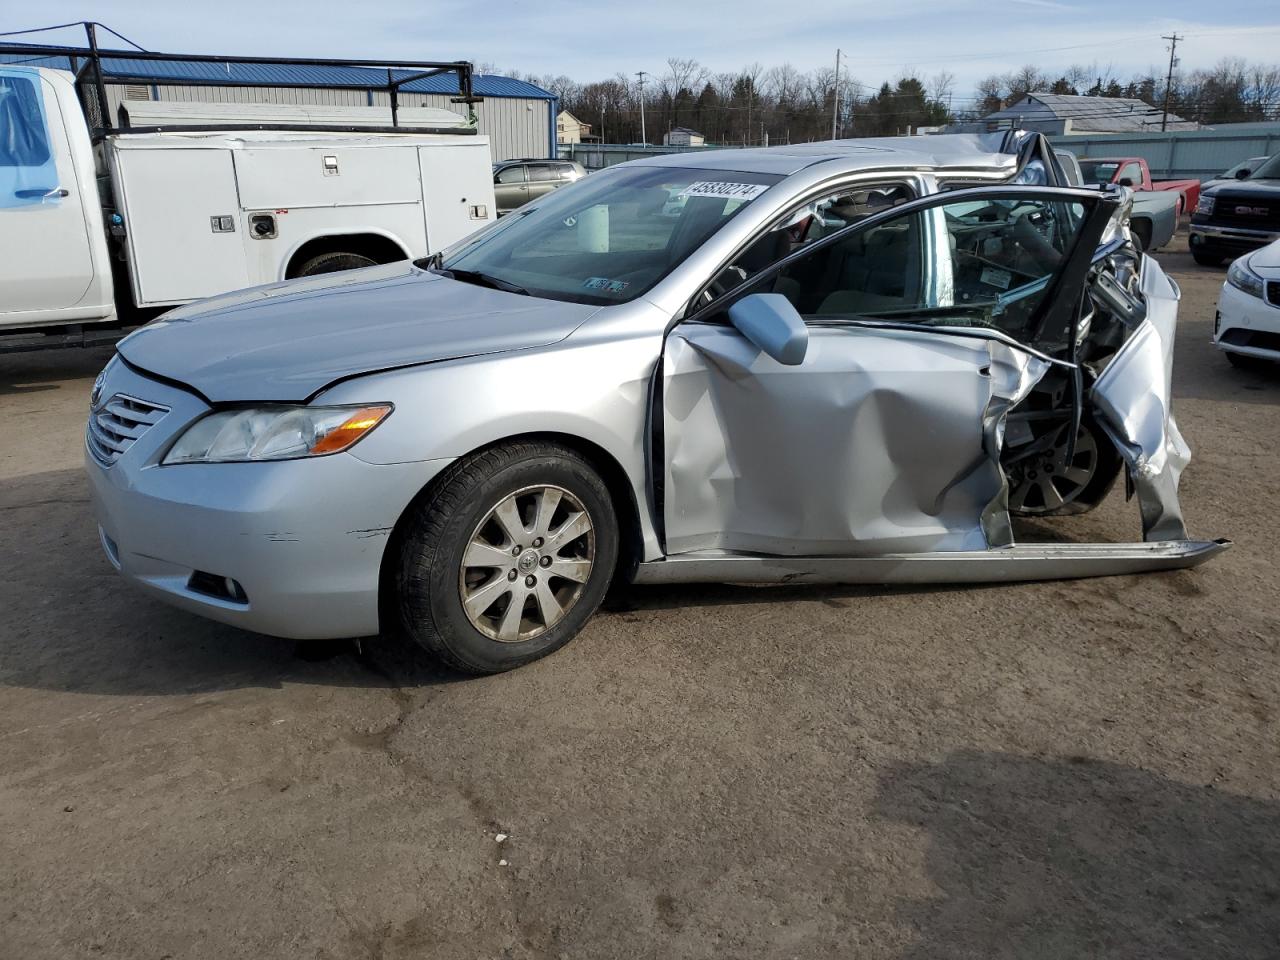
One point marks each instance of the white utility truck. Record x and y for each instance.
(99, 224)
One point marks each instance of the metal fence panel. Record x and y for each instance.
(597, 156)
(1186, 155)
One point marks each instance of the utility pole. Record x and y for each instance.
(835, 97)
(643, 139)
(1168, 83)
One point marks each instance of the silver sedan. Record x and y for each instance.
(852, 361)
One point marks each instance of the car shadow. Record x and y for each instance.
(43, 370)
(71, 624)
(1072, 857)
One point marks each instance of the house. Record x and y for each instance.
(1061, 114)
(683, 137)
(569, 129)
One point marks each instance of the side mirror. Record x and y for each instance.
(1126, 182)
(770, 322)
(1243, 173)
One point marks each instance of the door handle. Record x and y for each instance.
(42, 193)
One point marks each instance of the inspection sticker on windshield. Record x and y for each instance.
(605, 284)
(731, 191)
(999, 279)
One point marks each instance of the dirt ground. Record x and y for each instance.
(1040, 771)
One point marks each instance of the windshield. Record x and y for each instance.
(609, 237)
(1268, 171)
(1098, 171)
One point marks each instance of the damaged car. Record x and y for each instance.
(854, 361)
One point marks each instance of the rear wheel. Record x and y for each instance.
(334, 261)
(508, 558)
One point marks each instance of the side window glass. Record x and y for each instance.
(542, 172)
(809, 223)
(879, 271)
(1133, 173)
(27, 168)
(983, 263)
(510, 175)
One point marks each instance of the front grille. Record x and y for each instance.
(1253, 214)
(120, 421)
(1273, 292)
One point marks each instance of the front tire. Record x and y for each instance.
(1242, 361)
(1206, 258)
(508, 557)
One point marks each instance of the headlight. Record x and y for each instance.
(274, 433)
(1205, 206)
(1243, 279)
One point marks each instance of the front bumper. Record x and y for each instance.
(1247, 325)
(302, 540)
(1236, 240)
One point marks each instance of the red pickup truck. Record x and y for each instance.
(1133, 172)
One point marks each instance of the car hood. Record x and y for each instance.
(1245, 189)
(1268, 258)
(286, 341)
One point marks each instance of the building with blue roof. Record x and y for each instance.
(518, 117)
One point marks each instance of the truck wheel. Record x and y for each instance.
(1141, 234)
(333, 262)
(508, 557)
(1206, 258)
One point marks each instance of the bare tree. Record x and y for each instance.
(1264, 90)
(785, 85)
(940, 86)
(683, 75)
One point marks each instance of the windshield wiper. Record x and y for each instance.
(484, 280)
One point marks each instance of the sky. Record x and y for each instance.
(593, 40)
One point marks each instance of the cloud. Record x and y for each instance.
(594, 39)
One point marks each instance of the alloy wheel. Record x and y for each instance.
(1044, 481)
(526, 563)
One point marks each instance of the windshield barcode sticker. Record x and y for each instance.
(604, 283)
(729, 191)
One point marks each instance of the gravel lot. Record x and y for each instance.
(1053, 770)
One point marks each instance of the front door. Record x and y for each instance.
(925, 325)
(45, 257)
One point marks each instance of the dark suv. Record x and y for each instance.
(1234, 218)
(516, 182)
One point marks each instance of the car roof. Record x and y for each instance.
(936, 152)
